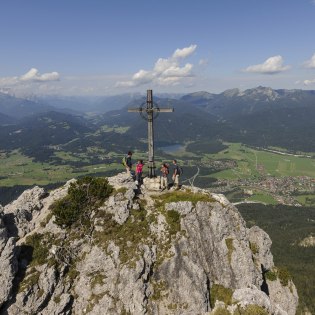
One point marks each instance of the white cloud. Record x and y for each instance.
(142, 77)
(31, 76)
(178, 72)
(310, 63)
(271, 66)
(166, 71)
(309, 82)
(34, 75)
(29, 82)
(185, 52)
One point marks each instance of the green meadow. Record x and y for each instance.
(17, 169)
(251, 162)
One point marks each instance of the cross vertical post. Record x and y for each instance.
(149, 113)
(150, 134)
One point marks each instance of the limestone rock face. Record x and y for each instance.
(143, 252)
(244, 297)
(3, 231)
(260, 244)
(284, 296)
(20, 213)
(8, 262)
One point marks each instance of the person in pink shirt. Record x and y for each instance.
(139, 168)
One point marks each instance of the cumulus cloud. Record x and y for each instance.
(34, 75)
(184, 52)
(29, 82)
(308, 82)
(271, 66)
(166, 71)
(310, 63)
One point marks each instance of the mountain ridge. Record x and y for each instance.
(285, 118)
(181, 252)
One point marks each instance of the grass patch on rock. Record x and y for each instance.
(221, 311)
(251, 310)
(127, 236)
(220, 293)
(230, 247)
(279, 273)
(254, 248)
(187, 195)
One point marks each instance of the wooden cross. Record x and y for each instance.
(149, 113)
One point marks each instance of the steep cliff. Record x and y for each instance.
(176, 252)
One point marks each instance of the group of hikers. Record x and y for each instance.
(164, 172)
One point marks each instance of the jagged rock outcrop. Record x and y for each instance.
(8, 262)
(184, 252)
(20, 213)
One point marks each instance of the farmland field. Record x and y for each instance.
(252, 162)
(17, 169)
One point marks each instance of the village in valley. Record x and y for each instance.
(284, 190)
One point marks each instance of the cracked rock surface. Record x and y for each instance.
(186, 252)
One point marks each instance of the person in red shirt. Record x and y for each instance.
(139, 168)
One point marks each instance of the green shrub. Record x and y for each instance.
(35, 249)
(220, 293)
(84, 195)
(284, 276)
(271, 275)
(66, 211)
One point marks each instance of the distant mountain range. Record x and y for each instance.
(17, 108)
(259, 117)
(235, 102)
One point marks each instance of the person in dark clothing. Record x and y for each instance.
(128, 163)
(176, 175)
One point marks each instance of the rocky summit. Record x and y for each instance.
(78, 250)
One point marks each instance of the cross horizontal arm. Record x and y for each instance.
(154, 109)
(135, 110)
(165, 110)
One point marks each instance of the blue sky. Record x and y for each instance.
(98, 47)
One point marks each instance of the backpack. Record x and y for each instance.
(180, 170)
(124, 161)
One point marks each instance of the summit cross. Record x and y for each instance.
(149, 113)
